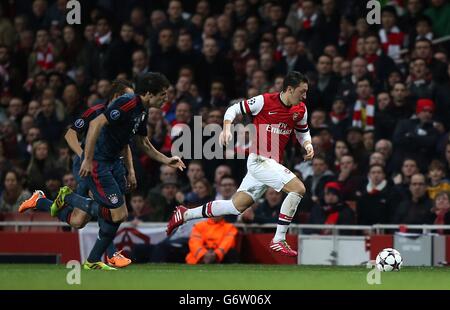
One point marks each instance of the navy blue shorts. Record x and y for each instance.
(107, 182)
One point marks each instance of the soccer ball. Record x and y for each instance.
(389, 260)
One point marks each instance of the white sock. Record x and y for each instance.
(287, 211)
(211, 209)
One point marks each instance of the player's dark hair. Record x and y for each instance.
(293, 79)
(152, 82)
(118, 88)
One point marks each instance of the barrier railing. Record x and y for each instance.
(293, 228)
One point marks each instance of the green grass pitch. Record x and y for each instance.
(242, 277)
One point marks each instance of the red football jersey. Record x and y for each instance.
(274, 122)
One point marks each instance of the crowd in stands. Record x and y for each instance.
(378, 100)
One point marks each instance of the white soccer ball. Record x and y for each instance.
(389, 260)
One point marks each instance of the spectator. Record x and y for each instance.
(52, 183)
(201, 193)
(11, 77)
(440, 209)
(439, 12)
(140, 211)
(166, 173)
(377, 158)
(9, 133)
(187, 55)
(211, 66)
(364, 107)
(44, 54)
(221, 172)
(384, 147)
(416, 137)
(292, 61)
(369, 140)
(402, 180)
(348, 178)
(218, 97)
(339, 117)
(392, 38)
(212, 241)
(385, 122)
(162, 204)
(340, 149)
(69, 180)
(122, 51)
(315, 183)
(41, 162)
(140, 61)
(438, 181)
(327, 84)
(98, 52)
(47, 121)
(14, 193)
(379, 64)
(331, 209)
(421, 85)
(354, 138)
(165, 57)
(417, 208)
(347, 86)
(268, 210)
(71, 46)
(423, 49)
(378, 201)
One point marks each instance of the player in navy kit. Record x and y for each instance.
(79, 215)
(108, 134)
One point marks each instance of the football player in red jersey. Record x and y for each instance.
(276, 116)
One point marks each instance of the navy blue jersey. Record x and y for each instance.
(81, 125)
(126, 117)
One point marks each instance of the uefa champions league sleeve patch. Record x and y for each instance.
(79, 123)
(114, 114)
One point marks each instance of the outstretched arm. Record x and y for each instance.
(150, 150)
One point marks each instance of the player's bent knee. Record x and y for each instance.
(301, 189)
(77, 223)
(119, 215)
(295, 186)
(242, 201)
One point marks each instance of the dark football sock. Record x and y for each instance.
(106, 235)
(44, 204)
(88, 205)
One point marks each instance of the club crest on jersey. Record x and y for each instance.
(114, 114)
(295, 116)
(113, 198)
(79, 123)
